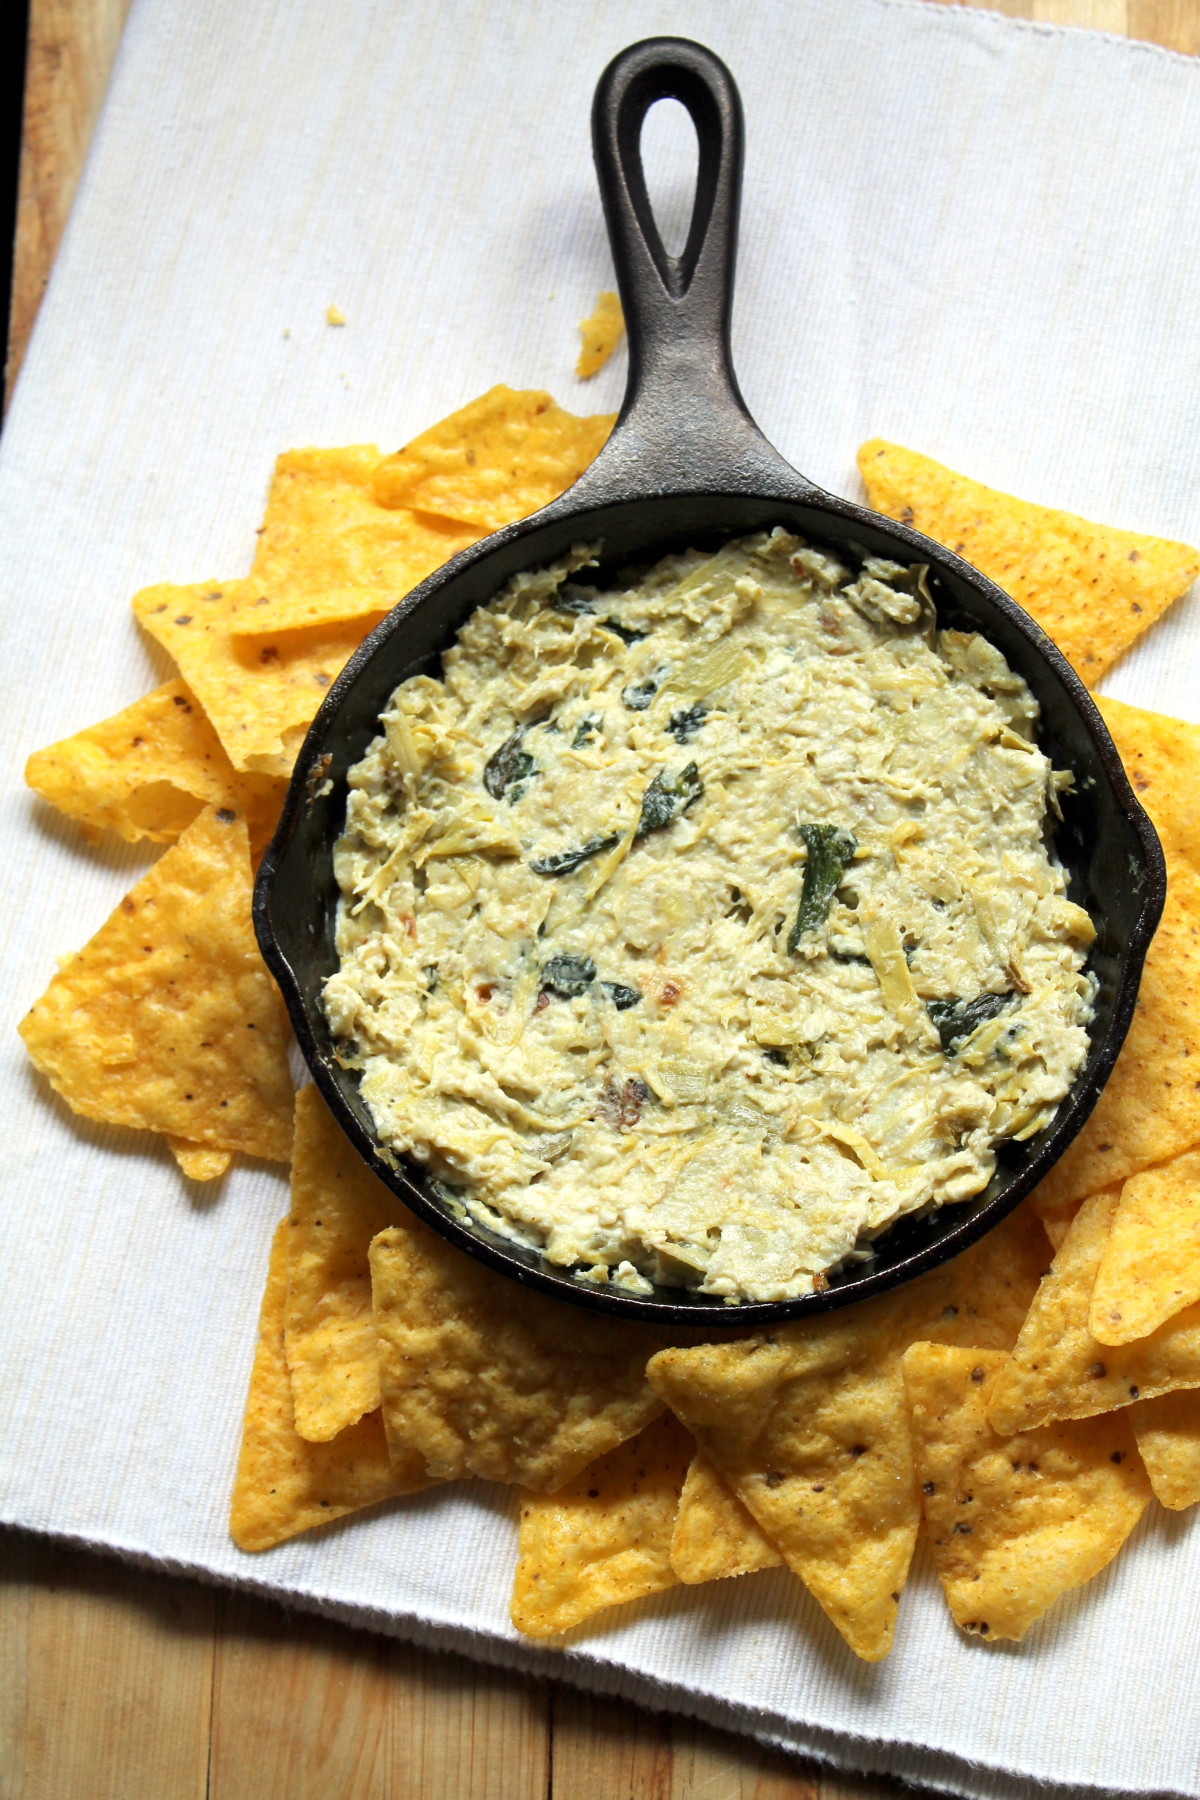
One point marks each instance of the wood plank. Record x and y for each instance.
(118, 1689)
(1175, 24)
(72, 44)
(17, 1578)
(304, 1709)
(609, 1750)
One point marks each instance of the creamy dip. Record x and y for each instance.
(696, 929)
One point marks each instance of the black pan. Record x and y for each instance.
(686, 465)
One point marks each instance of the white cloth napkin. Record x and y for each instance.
(979, 238)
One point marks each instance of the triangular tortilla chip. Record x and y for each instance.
(167, 1020)
(199, 1162)
(329, 552)
(600, 333)
(1092, 588)
(1150, 1269)
(1014, 1522)
(261, 693)
(714, 1536)
(1168, 1436)
(1150, 1108)
(283, 1484)
(497, 459)
(338, 1206)
(605, 1538)
(149, 770)
(1059, 1370)
(487, 1378)
(1162, 760)
(809, 1427)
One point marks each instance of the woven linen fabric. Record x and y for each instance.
(976, 237)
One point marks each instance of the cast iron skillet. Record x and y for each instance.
(687, 466)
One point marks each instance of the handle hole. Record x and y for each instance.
(670, 153)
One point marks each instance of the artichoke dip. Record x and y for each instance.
(694, 930)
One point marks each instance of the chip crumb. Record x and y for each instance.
(334, 315)
(600, 333)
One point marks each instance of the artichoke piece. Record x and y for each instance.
(667, 797)
(626, 633)
(956, 1020)
(830, 848)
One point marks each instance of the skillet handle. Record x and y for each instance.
(684, 426)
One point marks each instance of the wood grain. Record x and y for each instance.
(119, 1685)
(72, 44)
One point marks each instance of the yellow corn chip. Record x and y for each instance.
(605, 1538)
(1014, 1522)
(284, 1485)
(714, 1535)
(1150, 1269)
(338, 1206)
(486, 1378)
(329, 552)
(1167, 1430)
(498, 459)
(809, 1426)
(1150, 1107)
(1092, 588)
(167, 1020)
(199, 1162)
(1058, 1369)
(261, 693)
(599, 334)
(1162, 759)
(148, 771)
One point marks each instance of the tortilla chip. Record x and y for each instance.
(809, 1427)
(1150, 1108)
(261, 693)
(148, 771)
(1092, 588)
(498, 459)
(1162, 760)
(1014, 1522)
(328, 551)
(1167, 1430)
(338, 1206)
(599, 334)
(605, 1538)
(1150, 1269)
(1059, 1370)
(1057, 1224)
(167, 1020)
(714, 1535)
(487, 1378)
(284, 1485)
(199, 1162)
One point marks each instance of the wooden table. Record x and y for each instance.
(120, 1685)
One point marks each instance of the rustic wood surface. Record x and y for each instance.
(120, 1685)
